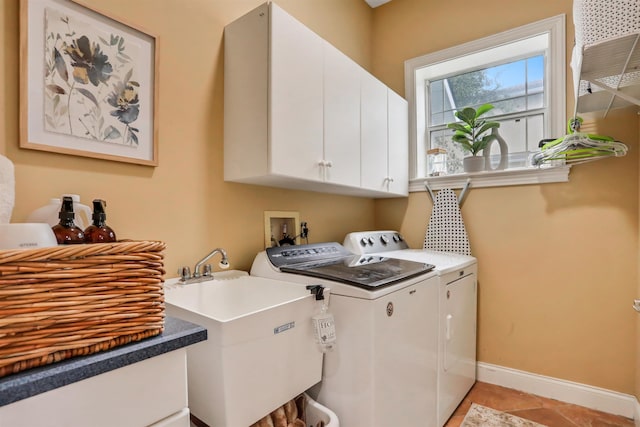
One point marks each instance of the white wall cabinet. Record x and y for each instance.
(298, 114)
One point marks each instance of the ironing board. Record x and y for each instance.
(446, 231)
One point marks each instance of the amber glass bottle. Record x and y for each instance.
(66, 231)
(99, 231)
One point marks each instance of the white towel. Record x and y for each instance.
(7, 189)
(446, 231)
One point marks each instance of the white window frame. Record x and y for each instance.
(556, 92)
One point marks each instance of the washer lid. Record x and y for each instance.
(332, 261)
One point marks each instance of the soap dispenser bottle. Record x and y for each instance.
(99, 231)
(66, 231)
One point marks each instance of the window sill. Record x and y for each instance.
(502, 178)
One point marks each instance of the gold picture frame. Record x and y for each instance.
(88, 83)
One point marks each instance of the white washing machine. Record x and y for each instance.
(457, 310)
(383, 369)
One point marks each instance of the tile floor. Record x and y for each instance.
(552, 413)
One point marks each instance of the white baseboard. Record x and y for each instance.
(567, 391)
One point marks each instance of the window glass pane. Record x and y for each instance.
(471, 89)
(437, 119)
(535, 74)
(535, 101)
(514, 132)
(508, 79)
(503, 86)
(508, 106)
(440, 103)
(436, 96)
(535, 131)
(455, 153)
(449, 116)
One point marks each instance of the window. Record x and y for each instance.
(521, 72)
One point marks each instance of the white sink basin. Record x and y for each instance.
(232, 296)
(260, 346)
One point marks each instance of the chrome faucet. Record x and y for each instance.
(185, 272)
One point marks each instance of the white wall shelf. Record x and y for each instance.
(611, 70)
(606, 55)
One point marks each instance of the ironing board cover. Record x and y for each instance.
(446, 231)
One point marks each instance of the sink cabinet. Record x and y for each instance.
(298, 112)
(151, 392)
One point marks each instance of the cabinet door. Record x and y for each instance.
(458, 369)
(398, 147)
(295, 102)
(135, 395)
(373, 137)
(341, 118)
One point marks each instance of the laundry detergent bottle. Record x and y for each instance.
(49, 212)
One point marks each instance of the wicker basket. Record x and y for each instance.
(74, 300)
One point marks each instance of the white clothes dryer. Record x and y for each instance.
(382, 371)
(457, 311)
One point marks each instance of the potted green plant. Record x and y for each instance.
(473, 133)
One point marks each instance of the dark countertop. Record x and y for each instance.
(177, 333)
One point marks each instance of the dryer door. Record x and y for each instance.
(458, 344)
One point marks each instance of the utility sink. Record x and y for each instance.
(260, 351)
(233, 296)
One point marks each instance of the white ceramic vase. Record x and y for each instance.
(473, 163)
(504, 152)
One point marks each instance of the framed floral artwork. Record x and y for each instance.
(88, 83)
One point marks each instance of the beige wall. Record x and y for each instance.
(557, 262)
(184, 201)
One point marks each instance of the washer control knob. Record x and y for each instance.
(371, 241)
(384, 239)
(400, 239)
(363, 241)
(395, 238)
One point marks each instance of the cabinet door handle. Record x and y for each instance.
(323, 167)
